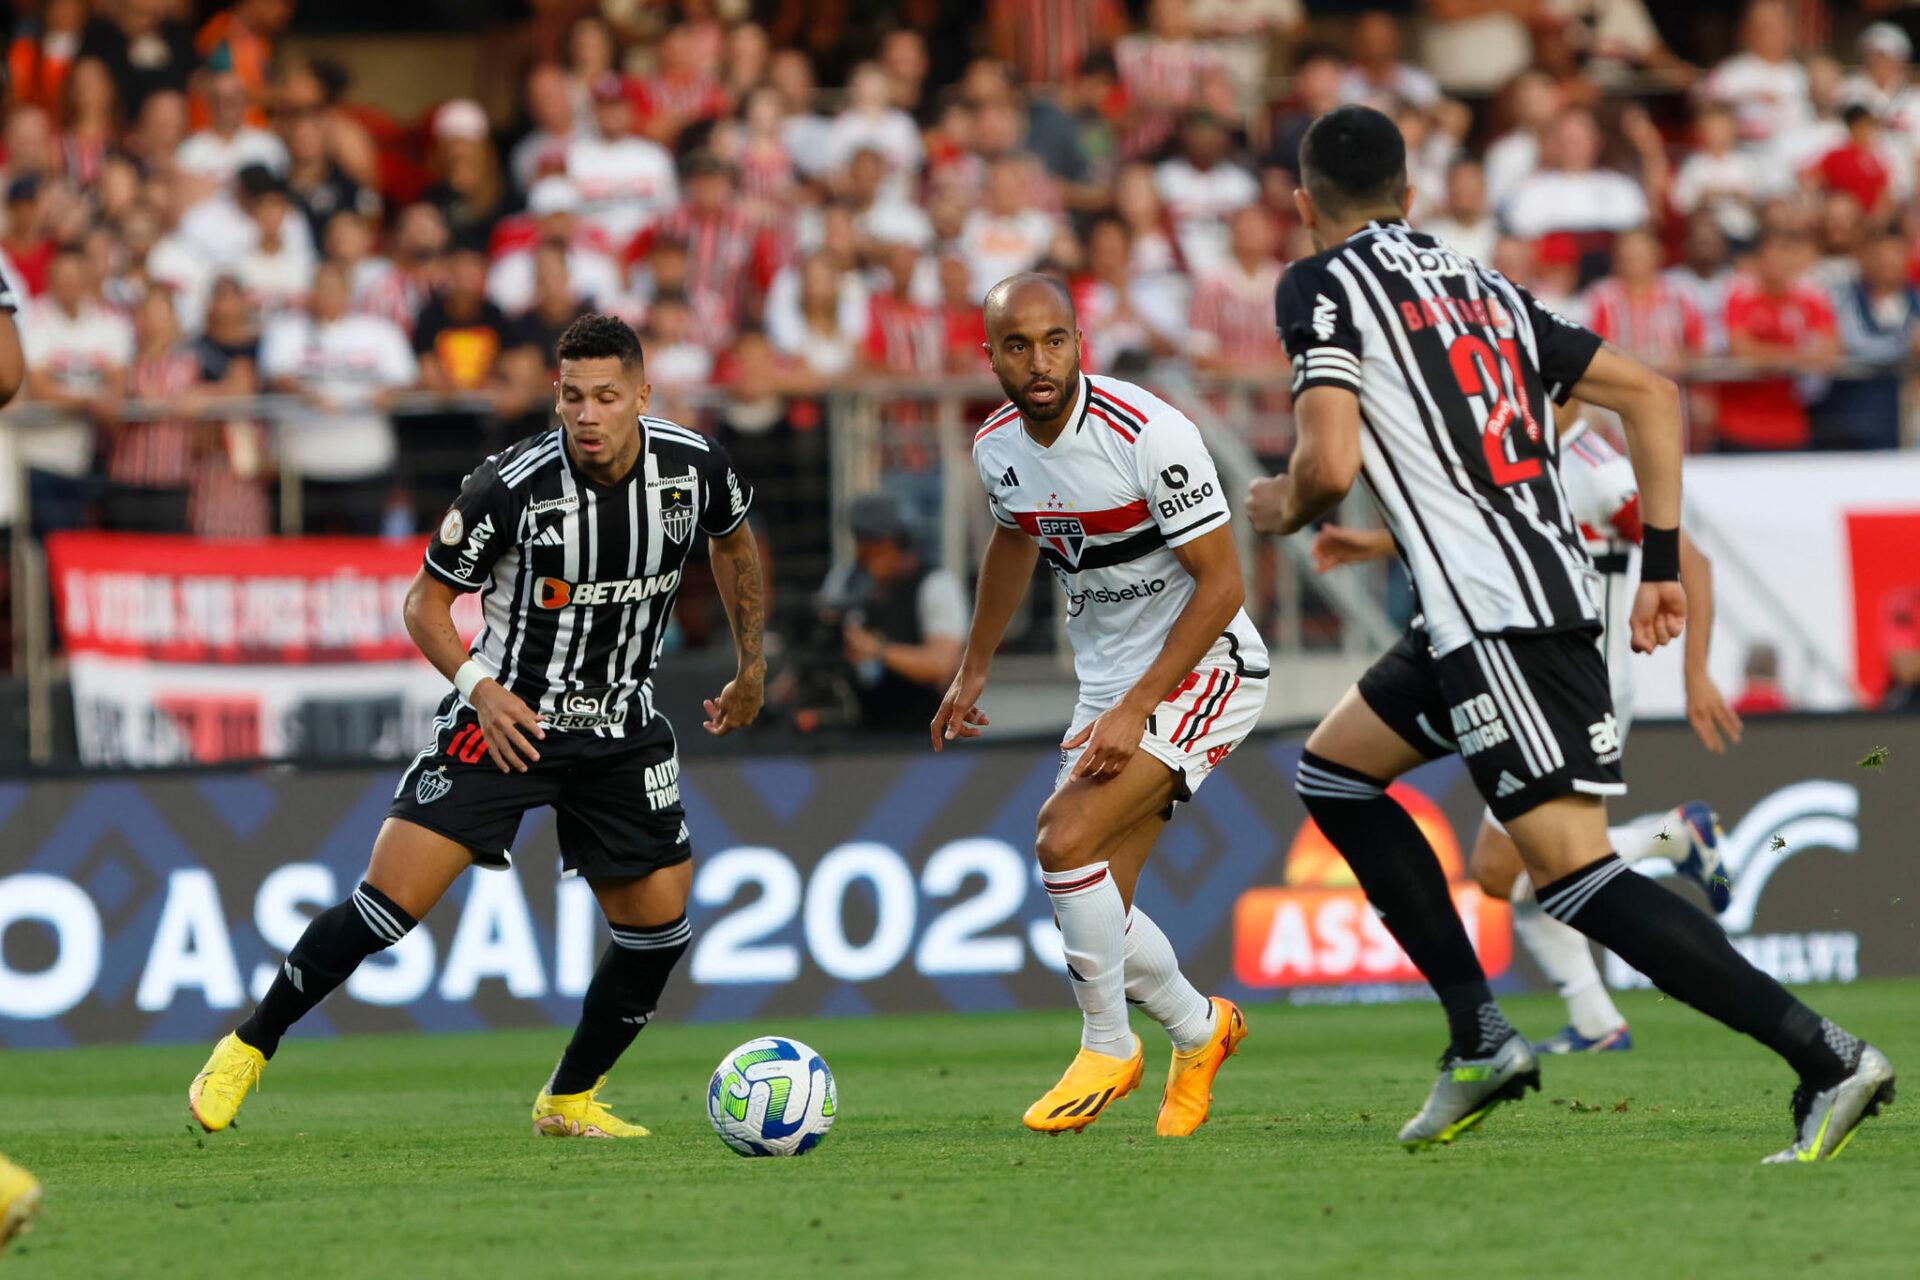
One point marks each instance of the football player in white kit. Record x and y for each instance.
(1603, 497)
(1114, 488)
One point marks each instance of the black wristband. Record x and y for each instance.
(1659, 554)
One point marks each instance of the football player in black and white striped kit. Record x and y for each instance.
(576, 539)
(1434, 378)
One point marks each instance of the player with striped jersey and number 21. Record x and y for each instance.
(1434, 379)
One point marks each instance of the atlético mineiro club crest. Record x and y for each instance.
(676, 513)
(1065, 533)
(433, 784)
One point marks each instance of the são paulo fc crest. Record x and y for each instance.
(676, 512)
(1066, 534)
(433, 784)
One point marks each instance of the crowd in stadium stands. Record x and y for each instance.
(197, 213)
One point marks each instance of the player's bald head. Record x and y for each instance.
(1027, 298)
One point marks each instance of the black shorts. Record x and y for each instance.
(617, 800)
(1532, 716)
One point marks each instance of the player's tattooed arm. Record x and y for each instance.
(737, 575)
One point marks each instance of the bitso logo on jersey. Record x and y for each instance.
(676, 513)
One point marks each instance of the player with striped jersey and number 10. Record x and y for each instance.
(1435, 379)
(1115, 490)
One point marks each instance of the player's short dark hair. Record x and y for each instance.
(1353, 159)
(597, 337)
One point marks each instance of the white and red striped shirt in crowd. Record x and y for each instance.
(766, 172)
(730, 253)
(685, 98)
(1231, 316)
(155, 453)
(1162, 78)
(904, 336)
(1659, 324)
(1051, 38)
(396, 295)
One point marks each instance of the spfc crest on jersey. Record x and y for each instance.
(1065, 533)
(433, 784)
(676, 511)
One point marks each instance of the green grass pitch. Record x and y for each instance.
(392, 1156)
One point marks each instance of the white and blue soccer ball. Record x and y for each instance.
(772, 1097)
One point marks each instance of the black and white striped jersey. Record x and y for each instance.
(1457, 370)
(577, 580)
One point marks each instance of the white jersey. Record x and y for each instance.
(1604, 498)
(1126, 482)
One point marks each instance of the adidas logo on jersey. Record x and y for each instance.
(1009, 479)
(1507, 786)
(550, 537)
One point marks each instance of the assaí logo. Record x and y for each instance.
(1318, 930)
(1791, 821)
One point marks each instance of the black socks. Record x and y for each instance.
(1401, 875)
(1688, 956)
(622, 996)
(327, 954)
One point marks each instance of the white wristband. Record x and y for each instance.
(470, 674)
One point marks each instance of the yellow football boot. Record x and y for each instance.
(580, 1115)
(19, 1200)
(231, 1073)
(1093, 1080)
(1183, 1107)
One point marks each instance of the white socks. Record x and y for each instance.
(1155, 983)
(1093, 932)
(1566, 957)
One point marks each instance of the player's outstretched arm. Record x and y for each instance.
(1005, 570)
(736, 574)
(1335, 545)
(1218, 592)
(1649, 408)
(1326, 461)
(1713, 720)
(506, 723)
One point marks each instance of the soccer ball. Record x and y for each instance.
(771, 1097)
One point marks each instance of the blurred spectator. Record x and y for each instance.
(346, 368)
(29, 144)
(228, 143)
(229, 495)
(1703, 276)
(1162, 75)
(879, 212)
(145, 49)
(591, 57)
(1007, 234)
(1764, 85)
(77, 356)
(150, 459)
(1782, 324)
(240, 40)
(1842, 230)
(1860, 167)
(1879, 322)
(903, 57)
(543, 149)
(1047, 41)
(1200, 188)
(1136, 199)
(1376, 76)
(966, 324)
(1570, 192)
(228, 351)
(817, 333)
(461, 334)
(1637, 310)
(418, 242)
(553, 207)
(624, 182)
(1314, 91)
(668, 269)
(90, 123)
(158, 132)
(683, 90)
(1719, 178)
(759, 154)
(1818, 132)
(468, 188)
(731, 258)
(903, 623)
(1231, 321)
(534, 336)
(28, 248)
(1462, 219)
(277, 269)
(902, 334)
(1432, 140)
(807, 134)
(319, 185)
(749, 59)
(1884, 83)
(1245, 33)
(1760, 692)
(1476, 46)
(43, 51)
(676, 362)
(1128, 318)
(871, 122)
(1072, 134)
(1900, 639)
(1534, 102)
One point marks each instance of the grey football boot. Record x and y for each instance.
(1824, 1120)
(1468, 1088)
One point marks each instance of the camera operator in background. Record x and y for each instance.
(902, 622)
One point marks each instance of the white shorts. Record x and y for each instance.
(1210, 714)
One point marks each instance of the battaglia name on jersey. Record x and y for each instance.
(557, 593)
(1477, 725)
